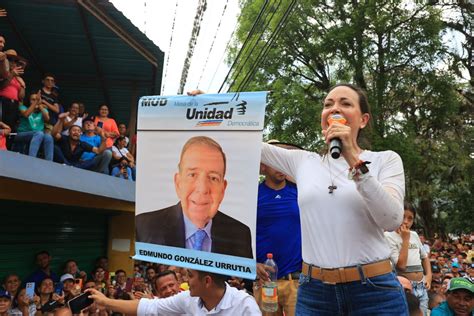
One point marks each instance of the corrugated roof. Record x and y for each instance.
(97, 55)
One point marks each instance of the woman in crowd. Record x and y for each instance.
(107, 124)
(72, 118)
(48, 300)
(98, 275)
(11, 284)
(119, 151)
(410, 258)
(31, 128)
(4, 132)
(12, 87)
(70, 267)
(23, 305)
(346, 204)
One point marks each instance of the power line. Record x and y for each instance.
(222, 57)
(192, 43)
(255, 45)
(144, 20)
(212, 44)
(266, 49)
(252, 30)
(169, 48)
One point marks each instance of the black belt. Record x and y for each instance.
(291, 276)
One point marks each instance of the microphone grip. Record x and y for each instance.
(335, 148)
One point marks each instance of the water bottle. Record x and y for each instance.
(270, 289)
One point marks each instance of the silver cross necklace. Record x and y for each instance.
(333, 187)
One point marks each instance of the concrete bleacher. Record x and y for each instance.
(32, 179)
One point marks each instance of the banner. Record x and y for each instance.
(198, 164)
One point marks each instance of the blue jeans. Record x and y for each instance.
(35, 139)
(419, 290)
(380, 295)
(100, 163)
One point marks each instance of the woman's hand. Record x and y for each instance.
(99, 298)
(404, 232)
(350, 151)
(195, 92)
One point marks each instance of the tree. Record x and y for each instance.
(394, 50)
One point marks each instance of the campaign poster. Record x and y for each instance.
(197, 180)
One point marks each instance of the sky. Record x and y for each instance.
(155, 19)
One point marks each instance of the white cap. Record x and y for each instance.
(66, 276)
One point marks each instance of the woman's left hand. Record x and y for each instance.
(428, 279)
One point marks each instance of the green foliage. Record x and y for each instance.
(421, 101)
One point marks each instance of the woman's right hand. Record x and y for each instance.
(404, 232)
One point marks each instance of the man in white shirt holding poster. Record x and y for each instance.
(208, 294)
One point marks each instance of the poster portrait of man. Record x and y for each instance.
(196, 221)
(198, 161)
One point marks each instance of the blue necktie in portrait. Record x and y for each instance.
(199, 239)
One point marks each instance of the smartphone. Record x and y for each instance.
(58, 289)
(128, 285)
(100, 124)
(49, 306)
(79, 302)
(30, 290)
(78, 281)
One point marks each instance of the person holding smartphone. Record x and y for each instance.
(108, 125)
(122, 170)
(49, 299)
(23, 305)
(12, 87)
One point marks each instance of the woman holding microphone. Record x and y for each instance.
(346, 204)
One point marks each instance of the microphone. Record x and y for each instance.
(335, 145)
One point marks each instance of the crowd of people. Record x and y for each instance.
(450, 261)
(358, 253)
(54, 289)
(37, 124)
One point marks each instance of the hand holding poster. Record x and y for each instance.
(197, 182)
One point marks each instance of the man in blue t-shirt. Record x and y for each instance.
(70, 148)
(99, 162)
(43, 260)
(279, 233)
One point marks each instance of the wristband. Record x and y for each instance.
(359, 169)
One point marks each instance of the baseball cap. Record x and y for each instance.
(455, 265)
(66, 276)
(4, 293)
(461, 284)
(88, 119)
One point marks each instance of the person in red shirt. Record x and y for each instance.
(12, 87)
(4, 132)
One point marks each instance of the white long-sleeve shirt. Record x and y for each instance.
(344, 228)
(234, 302)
